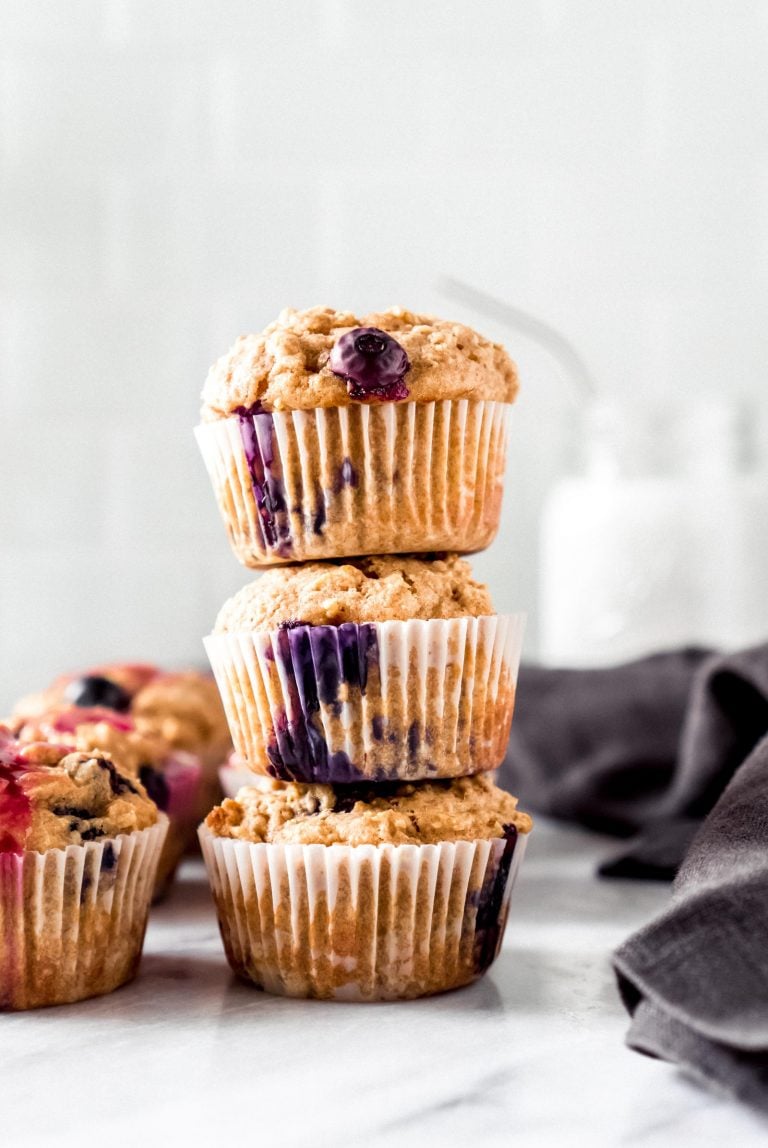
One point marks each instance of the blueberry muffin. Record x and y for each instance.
(171, 778)
(331, 435)
(80, 841)
(364, 892)
(381, 668)
(182, 707)
(185, 709)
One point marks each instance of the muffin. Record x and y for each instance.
(364, 893)
(330, 436)
(382, 668)
(185, 709)
(80, 841)
(182, 707)
(172, 779)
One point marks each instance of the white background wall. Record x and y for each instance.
(174, 173)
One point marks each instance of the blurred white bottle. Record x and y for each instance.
(661, 540)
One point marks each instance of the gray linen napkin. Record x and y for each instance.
(695, 980)
(646, 747)
(677, 747)
(600, 746)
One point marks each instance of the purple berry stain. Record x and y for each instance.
(155, 784)
(489, 923)
(372, 363)
(315, 661)
(257, 436)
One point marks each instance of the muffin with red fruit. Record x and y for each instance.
(331, 435)
(80, 841)
(182, 707)
(171, 778)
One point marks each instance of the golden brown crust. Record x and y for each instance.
(185, 710)
(376, 589)
(467, 809)
(286, 367)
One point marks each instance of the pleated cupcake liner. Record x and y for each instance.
(383, 701)
(378, 478)
(365, 922)
(72, 921)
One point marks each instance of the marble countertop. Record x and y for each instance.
(187, 1055)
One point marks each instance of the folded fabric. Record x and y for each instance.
(648, 746)
(695, 980)
(600, 746)
(675, 746)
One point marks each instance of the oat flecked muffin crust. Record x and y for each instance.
(377, 589)
(286, 367)
(184, 709)
(467, 809)
(53, 798)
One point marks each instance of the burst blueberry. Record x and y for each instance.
(372, 363)
(95, 690)
(155, 784)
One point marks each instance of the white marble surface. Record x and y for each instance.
(534, 1053)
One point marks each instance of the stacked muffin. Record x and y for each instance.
(369, 685)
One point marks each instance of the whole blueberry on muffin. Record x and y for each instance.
(331, 435)
(80, 841)
(385, 891)
(378, 668)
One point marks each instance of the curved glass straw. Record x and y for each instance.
(570, 363)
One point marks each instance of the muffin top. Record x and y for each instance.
(374, 589)
(465, 809)
(182, 708)
(51, 797)
(185, 710)
(290, 365)
(111, 686)
(94, 729)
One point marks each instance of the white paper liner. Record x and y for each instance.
(362, 922)
(72, 920)
(378, 478)
(437, 702)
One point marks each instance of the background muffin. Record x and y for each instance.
(80, 841)
(182, 707)
(331, 436)
(369, 893)
(382, 668)
(172, 779)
